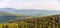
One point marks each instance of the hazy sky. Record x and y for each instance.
(31, 4)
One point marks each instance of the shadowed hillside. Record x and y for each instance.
(6, 16)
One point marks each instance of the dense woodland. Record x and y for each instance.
(35, 22)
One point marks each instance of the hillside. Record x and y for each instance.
(6, 16)
(40, 22)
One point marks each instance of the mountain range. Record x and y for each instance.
(29, 11)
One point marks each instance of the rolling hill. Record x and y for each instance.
(6, 16)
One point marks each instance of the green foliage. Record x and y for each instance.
(38, 22)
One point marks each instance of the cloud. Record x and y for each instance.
(35, 5)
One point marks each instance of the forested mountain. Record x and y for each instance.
(52, 21)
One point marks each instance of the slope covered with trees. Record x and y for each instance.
(39, 22)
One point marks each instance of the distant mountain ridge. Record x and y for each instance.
(29, 11)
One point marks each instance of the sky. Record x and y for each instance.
(31, 4)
